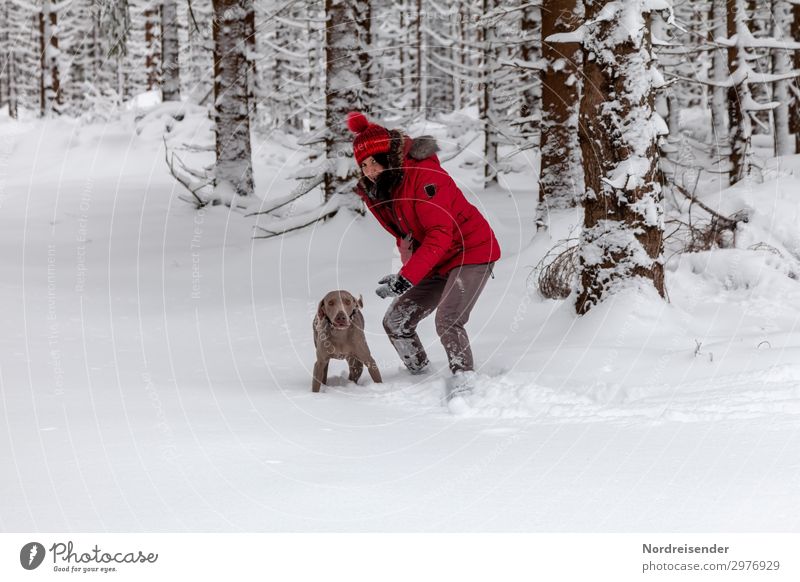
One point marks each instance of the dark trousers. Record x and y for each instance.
(453, 298)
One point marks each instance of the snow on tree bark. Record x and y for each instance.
(561, 174)
(794, 108)
(233, 174)
(10, 96)
(170, 50)
(51, 95)
(421, 77)
(622, 236)
(152, 45)
(488, 110)
(530, 52)
(739, 123)
(781, 63)
(719, 66)
(346, 32)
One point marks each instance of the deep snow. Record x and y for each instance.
(155, 364)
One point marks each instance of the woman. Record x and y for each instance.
(446, 245)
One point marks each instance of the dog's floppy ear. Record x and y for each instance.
(360, 302)
(321, 309)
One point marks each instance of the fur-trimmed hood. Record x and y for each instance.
(400, 147)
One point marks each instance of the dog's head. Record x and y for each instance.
(338, 307)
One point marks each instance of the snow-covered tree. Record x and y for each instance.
(196, 57)
(233, 171)
(794, 105)
(740, 98)
(52, 98)
(489, 111)
(170, 51)
(152, 43)
(561, 174)
(622, 234)
(719, 76)
(290, 65)
(347, 78)
(530, 52)
(781, 64)
(9, 95)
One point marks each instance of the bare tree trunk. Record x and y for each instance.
(50, 99)
(794, 109)
(487, 110)
(719, 66)
(421, 80)
(170, 48)
(43, 63)
(623, 222)
(5, 57)
(234, 167)
(252, 73)
(561, 173)
(344, 87)
(6, 72)
(97, 53)
(13, 96)
(781, 63)
(739, 124)
(152, 47)
(457, 55)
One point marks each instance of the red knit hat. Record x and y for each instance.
(371, 138)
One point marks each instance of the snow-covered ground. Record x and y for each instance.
(155, 365)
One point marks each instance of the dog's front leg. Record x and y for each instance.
(320, 374)
(356, 368)
(374, 372)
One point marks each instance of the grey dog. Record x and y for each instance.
(339, 334)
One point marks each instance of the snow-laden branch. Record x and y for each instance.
(305, 187)
(304, 219)
(576, 35)
(752, 42)
(750, 77)
(537, 65)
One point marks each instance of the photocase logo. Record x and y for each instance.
(31, 555)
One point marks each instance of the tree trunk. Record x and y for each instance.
(234, 167)
(719, 66)
(152, 47)
(421, 80)
(170, 49)
(623, 222)
(794, 109)
(6, 78)
(739, 123)
(50, 98)
(781, 63)
(530, 21)
(456, 30)
(487, 116)
(344, 87)
(250, 55)
(561, 173)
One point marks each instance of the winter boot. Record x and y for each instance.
(459, 388)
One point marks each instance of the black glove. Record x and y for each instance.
(392, 286)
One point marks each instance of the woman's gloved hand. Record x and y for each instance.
(392, 286)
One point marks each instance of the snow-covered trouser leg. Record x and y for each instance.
(403, 316)
(462, 289)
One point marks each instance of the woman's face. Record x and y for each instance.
(371, 168)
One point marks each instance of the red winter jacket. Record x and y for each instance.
(428, 207)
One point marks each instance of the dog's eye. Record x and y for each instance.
(347, 302)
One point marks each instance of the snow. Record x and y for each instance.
(156, 364)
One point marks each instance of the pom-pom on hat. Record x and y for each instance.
(370, 138)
